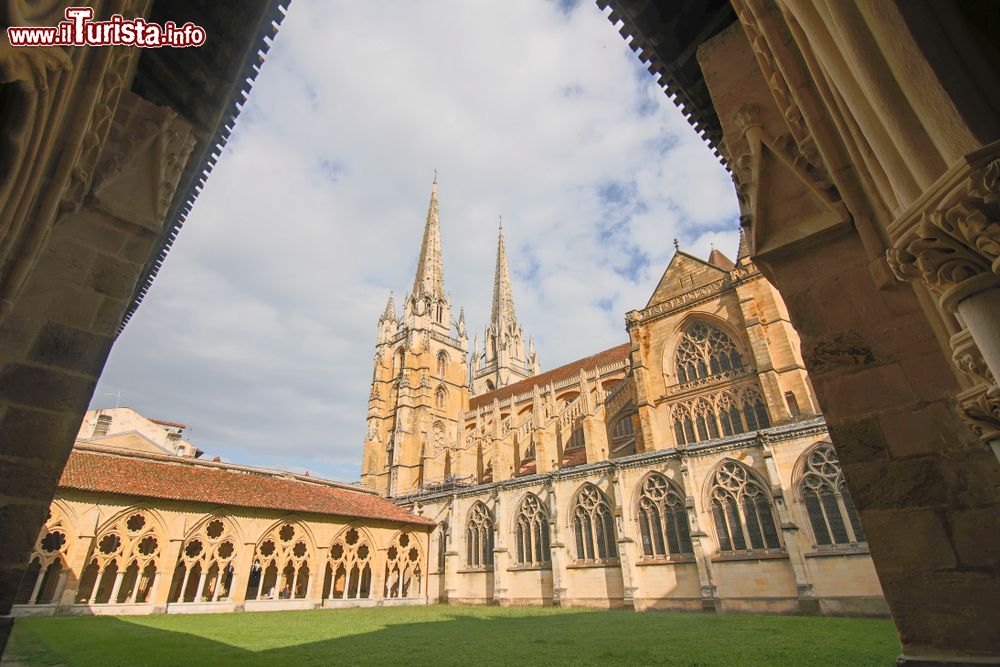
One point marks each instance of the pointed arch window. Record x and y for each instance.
(44, 578)
(205, 571)
(280, 568)
(828, 502)
(683, 425)
(349, 568)
(442, 363)
(479, 537)
(744, 518)
(705, 350)
(705, 421)
(440, 397)
(594, 526)
(123, 567)
(754, 410)
(531, 533)
(663, 520)
(403, 572)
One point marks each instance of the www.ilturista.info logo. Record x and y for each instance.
(79, 30)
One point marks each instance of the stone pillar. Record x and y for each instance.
(701, 542)
(808, 604)
(557, 550)
(546, 454)
(501, 558)
(626, 543)
(241, 566)
(80, 557)
(168, 562)
(595, 437)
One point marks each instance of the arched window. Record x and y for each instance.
(683, 425)
(742, 511)
(663, 521)
(704, 415)
(594, 526)
(754, 410)
(205, 571)
(439, 397)
(479, 537)
(397, 361)
(531, 532)
(442, 363)
(348, 568)
(47, 570)
(623, 432)
(729, 414)
(705, 350)
(129, 547)
(403, 574)
(831, 510)
(280, 568)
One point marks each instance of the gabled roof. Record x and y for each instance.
(555, 375)
(718, 258)
(144, 475)
(684, 273)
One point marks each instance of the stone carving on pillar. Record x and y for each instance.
(949, 241)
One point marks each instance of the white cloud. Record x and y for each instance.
(260, 328)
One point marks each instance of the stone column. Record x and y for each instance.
(626, 543)
(595, 437)
(81, 556)
(557, 549)
(241, 565)
(808, 604)
(168, 564)
(500, 555)
(702, 555)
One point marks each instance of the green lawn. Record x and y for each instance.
(447, 635)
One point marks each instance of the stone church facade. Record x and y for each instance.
(689, 468)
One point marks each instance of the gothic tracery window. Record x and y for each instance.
(403, 576)
(439, 397)
(742, 511)
(729, 412)
(663, 521)
(47, 570)
(828, 502)
(123, 567)
(705, 350)
(594, 526)
(280, 568)
(205, 572)
(531, 532)
(479, 537)
(348, 567)
(442, 363)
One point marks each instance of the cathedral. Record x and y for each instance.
(688, 468)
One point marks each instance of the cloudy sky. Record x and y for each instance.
(259, 331)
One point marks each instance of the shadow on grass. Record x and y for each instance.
(453, 636)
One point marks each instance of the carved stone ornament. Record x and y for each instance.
(968, 358)
(954, 249)
(979, 408)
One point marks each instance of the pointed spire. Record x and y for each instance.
(461, 321)
(503, 296)
(429, 279)
(744, 250)
(390, 310)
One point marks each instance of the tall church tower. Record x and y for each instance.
(503, 360)
(419, 384)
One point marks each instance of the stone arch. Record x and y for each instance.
(349, 569)
(531, 531)
(820, 489)
(403, 566)
(121, 567)
(281, 561)
(660, 514)
(742, 507)
(205, 569)
(591, 521)
(674, 339)
(45, 576)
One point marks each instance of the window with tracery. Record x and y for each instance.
(124, 563)
(403, 576)
(705, 350)
(594, 526)
(439, 397)
(729, 412)
(45, 576)
(663, 520)
(348, 568)
(742, 510)
(828, 502)
(531, 532)
(442, 363)
(479, 537)
(205, 572)
(280, 568)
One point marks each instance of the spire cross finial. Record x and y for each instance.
(501, 222)
(677, 245)
(435, 175)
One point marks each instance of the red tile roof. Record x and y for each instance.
(101, 470)
(555, 375)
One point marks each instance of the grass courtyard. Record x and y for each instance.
(448, 635)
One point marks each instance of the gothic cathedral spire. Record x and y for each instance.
(429, 280)
(503, 360)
